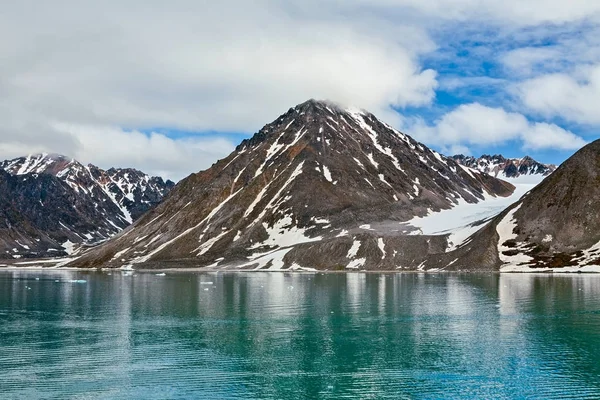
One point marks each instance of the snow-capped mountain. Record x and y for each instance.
(73, 203)
(506, 168)
(320, 187)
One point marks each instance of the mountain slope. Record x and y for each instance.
(302, 192)
(68, 203)
(555, 226)
(17, 233)
(506, 168)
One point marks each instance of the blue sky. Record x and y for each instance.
(171, 87)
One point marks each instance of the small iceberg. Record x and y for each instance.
(77, 281)
(161, 274)
(206, 283)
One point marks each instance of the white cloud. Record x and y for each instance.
(192, 65)
(233, 65)
(472, 124)
(153, 153)
(525, 60)
(458, 149)
(515, 12)
(478, 125)
(573, 96)
(228, 65)
(549, 136)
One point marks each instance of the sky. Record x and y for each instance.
(171, 87)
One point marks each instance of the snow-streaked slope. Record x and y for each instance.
(303, 180)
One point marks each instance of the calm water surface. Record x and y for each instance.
(287, 336)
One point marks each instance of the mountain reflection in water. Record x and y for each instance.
(298, 335)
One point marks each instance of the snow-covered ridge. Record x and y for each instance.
(526, 169)
(91, 205)
(123, 186)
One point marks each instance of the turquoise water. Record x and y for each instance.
(288, 336)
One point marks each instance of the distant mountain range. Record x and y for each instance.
(506, 168)
(320, 187)
(52, 204)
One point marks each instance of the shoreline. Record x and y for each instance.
(234, 271)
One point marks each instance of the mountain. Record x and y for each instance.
(320, 187)
(506, 168)
(17, 233)
(60, 202)
(553, 227)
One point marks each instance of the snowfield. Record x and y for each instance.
(465, 219)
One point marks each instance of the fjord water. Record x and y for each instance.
(286, 336)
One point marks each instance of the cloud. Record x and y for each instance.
(525, 60)
(153, 153)
(472, 124)
(514, 12)
(477, 125)
(235, 65)
(190, 65)
(571, 96)
(229, 65)
(542, 136)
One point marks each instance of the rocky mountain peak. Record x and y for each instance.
(316, 174)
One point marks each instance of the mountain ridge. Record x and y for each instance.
(506, 168)
(69, 203)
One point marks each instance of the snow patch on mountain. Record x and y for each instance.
(465, 219)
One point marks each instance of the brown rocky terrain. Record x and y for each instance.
(320, 187)
(554, 227)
